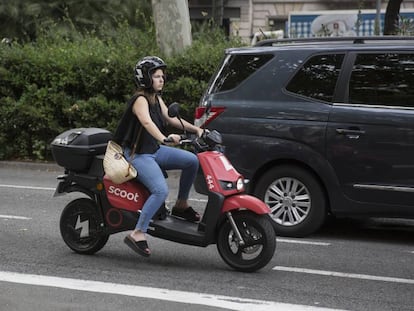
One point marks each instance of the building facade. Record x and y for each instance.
(246, 18)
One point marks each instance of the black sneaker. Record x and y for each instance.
(188, 214)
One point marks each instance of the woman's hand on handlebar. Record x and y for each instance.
(200, 132)
(172, 139)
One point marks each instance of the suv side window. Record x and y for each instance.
(383, 79)
(236, 69)
(317, 77)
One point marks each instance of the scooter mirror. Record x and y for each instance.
(174, 110)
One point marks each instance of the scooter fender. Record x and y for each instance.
(245, 201)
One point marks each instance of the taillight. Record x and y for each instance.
(203, 119)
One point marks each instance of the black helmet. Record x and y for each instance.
(144, 69)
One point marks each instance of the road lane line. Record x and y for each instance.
(345, 275)
(26, 187)
(53, 189)
(302, 242)
(223, 302)
(14, 217)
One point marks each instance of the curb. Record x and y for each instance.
(53, 167)
(38, 166)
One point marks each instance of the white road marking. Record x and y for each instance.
(223, 302)
(14, 217)
(21, 187)
(26, 187)
(53, 189)
(198, 200)
(302, 242)
(345, 275)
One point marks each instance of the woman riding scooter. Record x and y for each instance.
(237, 223)
(144, 123)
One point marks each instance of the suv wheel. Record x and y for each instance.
(296, 200)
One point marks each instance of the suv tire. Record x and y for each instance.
(296, 200)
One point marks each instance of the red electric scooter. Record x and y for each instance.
(236, 222)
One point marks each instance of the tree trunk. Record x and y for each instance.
(172, 25)
(391, 17)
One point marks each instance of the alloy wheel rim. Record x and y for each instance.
(289, 201)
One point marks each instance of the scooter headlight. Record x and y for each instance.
(232, 185)
(240, 184)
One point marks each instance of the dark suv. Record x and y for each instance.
(319, 126)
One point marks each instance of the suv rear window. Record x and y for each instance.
(317, 77)
(383, 79)
(236, 69)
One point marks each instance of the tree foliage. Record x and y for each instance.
(21, 19)
(67, 80)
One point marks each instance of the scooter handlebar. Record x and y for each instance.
(183, 139)
(211, 140)
(168, 140)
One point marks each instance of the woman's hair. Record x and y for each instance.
(149, 94)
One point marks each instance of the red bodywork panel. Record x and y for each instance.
(130, 195)
(246, 201)
(217, 168)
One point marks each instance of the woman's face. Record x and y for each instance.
(158, 80)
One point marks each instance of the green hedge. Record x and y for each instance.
(61, 82)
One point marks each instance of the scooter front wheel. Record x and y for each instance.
(258, 235)
(80, 227)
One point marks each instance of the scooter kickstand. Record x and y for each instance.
(235, 229)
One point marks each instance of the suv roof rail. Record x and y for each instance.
(355, 40)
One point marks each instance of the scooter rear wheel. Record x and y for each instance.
(80, 227)
(259, 236)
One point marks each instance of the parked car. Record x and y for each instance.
(319, 126)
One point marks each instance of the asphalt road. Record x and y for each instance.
(349, 264)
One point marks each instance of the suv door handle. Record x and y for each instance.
(351, 133)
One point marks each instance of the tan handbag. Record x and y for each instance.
(116, 167)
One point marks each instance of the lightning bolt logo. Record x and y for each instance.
(84, 226)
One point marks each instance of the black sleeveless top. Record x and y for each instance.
(129, 127)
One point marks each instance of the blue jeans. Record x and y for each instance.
(150, 173)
